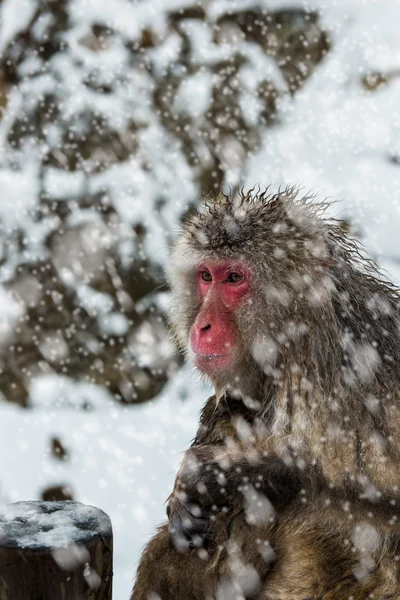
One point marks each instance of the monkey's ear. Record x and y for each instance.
(330, 260)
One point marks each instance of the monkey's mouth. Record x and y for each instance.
(211, 356)
(212, 362)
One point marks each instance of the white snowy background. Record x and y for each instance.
(338, 134)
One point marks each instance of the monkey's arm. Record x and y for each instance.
(227, 464)
(212, 479)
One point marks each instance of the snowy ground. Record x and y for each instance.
(335, 137)
(122, 460)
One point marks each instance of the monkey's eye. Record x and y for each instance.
(234, 277)
(206, 276)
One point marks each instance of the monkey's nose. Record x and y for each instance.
(205, 328)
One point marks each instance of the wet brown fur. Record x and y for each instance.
(313, 424)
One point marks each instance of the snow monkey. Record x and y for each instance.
(291, 488)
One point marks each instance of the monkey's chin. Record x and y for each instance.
(212, 363)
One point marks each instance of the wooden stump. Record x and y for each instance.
(55, 551)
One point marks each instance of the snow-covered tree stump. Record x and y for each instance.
(55, 551)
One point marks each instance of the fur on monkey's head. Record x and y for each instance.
(257, 222)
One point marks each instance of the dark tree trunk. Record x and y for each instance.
(55, 551)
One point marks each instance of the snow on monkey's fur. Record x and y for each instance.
(322, 330)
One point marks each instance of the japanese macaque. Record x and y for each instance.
(291, 488)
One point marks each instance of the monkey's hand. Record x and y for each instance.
(188, 506)
(203, 487)
(213, 478)
(187, 521)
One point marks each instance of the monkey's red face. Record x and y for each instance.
(222, 287)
